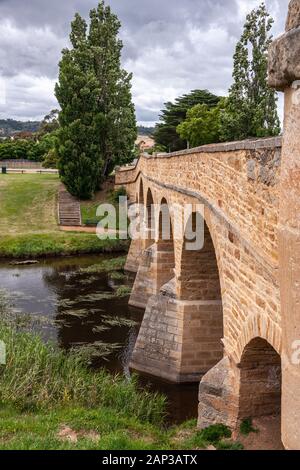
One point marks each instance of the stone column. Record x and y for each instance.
(156, 268)
(284, 75)
(134, 256)
(179, 340)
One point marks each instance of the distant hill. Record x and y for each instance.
(145, 130)
(9, 127)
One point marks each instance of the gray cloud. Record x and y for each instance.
(171, 46)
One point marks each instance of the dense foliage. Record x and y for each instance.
(252, 106)
(165, 133)
(202, 124)
(97, 118)
(27, 149)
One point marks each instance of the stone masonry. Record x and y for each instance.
(227, 292)
(230, 310)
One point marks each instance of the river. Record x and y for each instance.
(75, 308)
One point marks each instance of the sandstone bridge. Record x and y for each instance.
(228, 315)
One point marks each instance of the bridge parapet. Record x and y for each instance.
(239, 181)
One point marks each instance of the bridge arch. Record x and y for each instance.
(149, 219)
(163, 222)
(257, 325)
(260, 381)
(199, 287)
(141, 192)
(199, 271)
(165, 252)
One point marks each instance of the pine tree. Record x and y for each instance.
(165, 133)
(251, 109)
(97, 118)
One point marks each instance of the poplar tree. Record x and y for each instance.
(97, 118)
(251, 109)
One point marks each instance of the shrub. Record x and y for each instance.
(215, 433)
(246, 427)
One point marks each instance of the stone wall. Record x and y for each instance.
(238, 185)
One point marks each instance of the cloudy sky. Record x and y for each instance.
(171, 46)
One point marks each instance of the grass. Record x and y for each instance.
(217, 435)
(246, 427)
(28, 221)
(123, 291)
(97, 429)
(107, 265)
(117, 276)
(28, 203)
(39, 376)
(108, 195)
(56, 244)
(50, 399)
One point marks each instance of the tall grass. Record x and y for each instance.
(39, 375)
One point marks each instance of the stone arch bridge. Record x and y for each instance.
(228, 315)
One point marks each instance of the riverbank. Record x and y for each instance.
(29, 226)
(33, 245)
(50, 399)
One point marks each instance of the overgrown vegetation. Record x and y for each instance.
(218, 436)
(40, 376)
(50, 399)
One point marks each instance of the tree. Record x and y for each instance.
(49, 123)
(251, 109)
(97, 118)
(41, 148)
(16, 149)
(50, 160)
(202, 125)
(165, 133)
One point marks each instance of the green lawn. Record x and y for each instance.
(28, 220)
(28, 203)
(107, 196)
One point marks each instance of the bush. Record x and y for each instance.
(51, 159)
(215, 433)
(246, 427)
(114, 196)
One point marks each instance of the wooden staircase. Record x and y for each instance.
(69, 214)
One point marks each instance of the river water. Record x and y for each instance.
(75, 308)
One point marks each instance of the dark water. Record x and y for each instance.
(78, 309)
